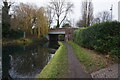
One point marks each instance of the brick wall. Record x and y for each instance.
(68, 32)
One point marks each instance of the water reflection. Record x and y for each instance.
(24, 61)
(54, 45)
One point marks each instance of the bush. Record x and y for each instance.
(102, 37)
(15, 34)
(25, 40)
(115, 52)
(61, 37)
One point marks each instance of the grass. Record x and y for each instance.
(17, 41)
(91, 60)
(25, 41)
(58, 65)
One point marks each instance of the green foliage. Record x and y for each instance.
(15, 34)
(115, 52)
(61, 37)
(24, 40)
(102, 37)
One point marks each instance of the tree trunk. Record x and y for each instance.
(58, 25)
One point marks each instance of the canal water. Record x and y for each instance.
(25, 61)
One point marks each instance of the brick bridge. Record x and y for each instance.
(67, 32)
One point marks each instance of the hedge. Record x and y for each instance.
(15, 34)
(102, 37)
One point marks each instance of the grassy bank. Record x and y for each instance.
(23, 41)
(90, 59)
(16, 41)
(58, 65)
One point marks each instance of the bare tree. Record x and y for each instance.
(104, 16)
(50, 14)
(61, 9)
(96, 20)
(87, 13)
(80, 23)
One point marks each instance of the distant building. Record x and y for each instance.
(119, 11)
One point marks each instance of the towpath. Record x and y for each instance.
(75, 67)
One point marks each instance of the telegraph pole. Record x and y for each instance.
(111, 11)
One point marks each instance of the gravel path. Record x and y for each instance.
(110, 72)
(75, 68)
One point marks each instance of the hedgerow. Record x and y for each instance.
(102, 37)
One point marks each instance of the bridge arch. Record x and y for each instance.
(66, 32)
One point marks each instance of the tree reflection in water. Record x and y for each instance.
(25, 61)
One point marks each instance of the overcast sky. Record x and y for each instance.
(99, 5)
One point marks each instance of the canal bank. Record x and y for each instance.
(58, 65)
(73, 61)
(24, 41)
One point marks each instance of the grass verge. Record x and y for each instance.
(25, 41)
(58, 65)
(91, 60)
(17, 41)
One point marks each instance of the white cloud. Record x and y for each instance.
(99, 5)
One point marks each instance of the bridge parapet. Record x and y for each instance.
(57, 30)
(62, 29)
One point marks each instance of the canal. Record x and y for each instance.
(26, 61)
